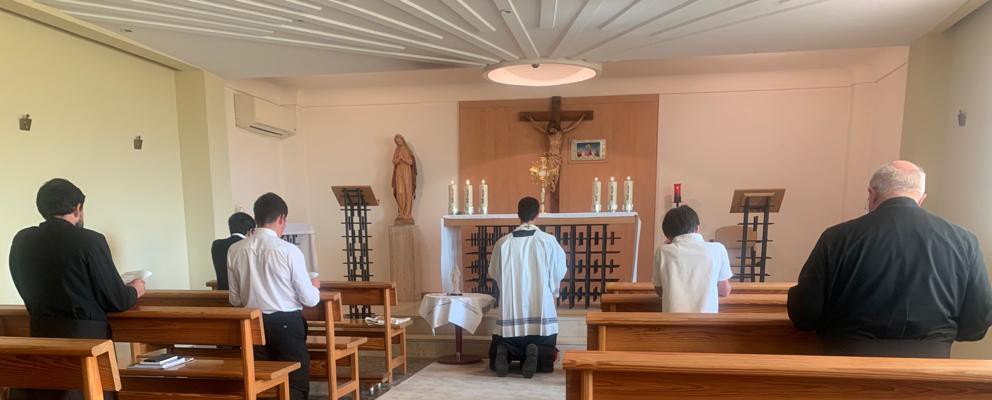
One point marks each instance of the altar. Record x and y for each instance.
(596, 247)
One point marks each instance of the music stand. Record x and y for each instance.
(762, 202)
(355, 202)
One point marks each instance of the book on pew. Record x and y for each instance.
(174, 362)
(379, 321)
(159, 359)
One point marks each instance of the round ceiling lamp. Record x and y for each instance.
(541, 72)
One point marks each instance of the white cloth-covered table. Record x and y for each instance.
(451, 256)
(466, 311)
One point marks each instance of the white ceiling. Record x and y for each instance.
(278, 38)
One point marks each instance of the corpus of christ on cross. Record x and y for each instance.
(553, 129)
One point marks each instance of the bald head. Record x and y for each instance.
(896, 179)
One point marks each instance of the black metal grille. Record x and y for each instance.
(589, 254)
(357, 251)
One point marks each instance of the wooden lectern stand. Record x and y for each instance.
(355, 202)
(756, 205)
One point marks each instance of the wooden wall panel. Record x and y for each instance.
(495, 146)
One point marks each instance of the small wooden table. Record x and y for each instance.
(464, 310)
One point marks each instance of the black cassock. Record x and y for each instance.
(69, 283)
(897, 282)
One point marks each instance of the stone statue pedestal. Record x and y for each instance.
(404, 265)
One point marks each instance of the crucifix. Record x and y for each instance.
(553, 129)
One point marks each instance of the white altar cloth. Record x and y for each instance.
(451, 256)
(466, 311)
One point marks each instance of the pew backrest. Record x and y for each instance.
(219, 298)
(763, 333)
(641, 375)
(356, 293)
(188, 325)
(14, 321)
(739, 303)
(48, 363)
(736, 287)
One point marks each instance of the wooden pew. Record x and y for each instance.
(328, 311)
(382, 338)
(206, 377)
(766, 333)
(608, 375)
(739, 303)
(65, 364)
(736, 287)
(376, 294)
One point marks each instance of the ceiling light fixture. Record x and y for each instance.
(541, 72)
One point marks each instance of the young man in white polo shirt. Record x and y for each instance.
(689, 273)
(270, 274)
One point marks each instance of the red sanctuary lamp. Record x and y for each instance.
(678, 194)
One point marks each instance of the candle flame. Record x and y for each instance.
(483, 181)
(597, 178)
(467, 182)
(612, 179)
(452, 182)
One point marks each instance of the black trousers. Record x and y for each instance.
(63, 328)
(286, 340)
(516, 350)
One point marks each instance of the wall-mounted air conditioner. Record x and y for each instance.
(263, 117)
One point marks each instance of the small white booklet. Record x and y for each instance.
(129, 276)
(175, 362)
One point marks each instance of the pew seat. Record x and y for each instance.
(217, 368)
(607, 375)
(735, 303)
(89, 365)
(764, 333)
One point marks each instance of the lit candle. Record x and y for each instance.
(597, 188)
(628, 195)
(678, 194)
(453, 198)
(612, 199)
(468, 198)
(484, 197)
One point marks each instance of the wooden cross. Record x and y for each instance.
(555, 133)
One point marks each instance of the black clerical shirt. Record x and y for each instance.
(218, 251)
(898, 281)
(67, 279)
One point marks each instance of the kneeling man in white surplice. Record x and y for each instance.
(528, 265)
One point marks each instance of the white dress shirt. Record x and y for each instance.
(268, 273)
(687, 271)
(528, 265)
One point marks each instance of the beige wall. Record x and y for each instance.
(88, 102)
(800, 119)
(951, 72)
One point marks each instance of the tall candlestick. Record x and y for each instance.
(597, 188)
(678, 194)
(468, 198)
(453, 198)
(484, 197)
(544, 190)
(612, 196)
(628, 195)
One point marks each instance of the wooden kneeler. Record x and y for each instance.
(62, 364)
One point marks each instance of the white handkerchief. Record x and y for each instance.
(129, 276)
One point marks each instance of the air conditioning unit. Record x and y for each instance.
(263, 117)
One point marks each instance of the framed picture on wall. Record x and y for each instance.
(588, 150)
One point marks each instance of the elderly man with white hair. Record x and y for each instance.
(896, 282)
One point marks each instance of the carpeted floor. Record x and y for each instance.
(476, 381)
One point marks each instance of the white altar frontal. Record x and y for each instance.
(591, 242)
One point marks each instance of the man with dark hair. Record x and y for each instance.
(270, 274)
(241, 225)
(689, 273)
(528, 265)
(66, 275)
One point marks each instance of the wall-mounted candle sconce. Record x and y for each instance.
(25, 122)
(138, 142)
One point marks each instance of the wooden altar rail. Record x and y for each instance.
(735, 303)
(63, 364)
(609, 375)
(736, 287)
(743, 333)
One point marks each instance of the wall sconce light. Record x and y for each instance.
(962, 118)
(25, 122)
(138, 142)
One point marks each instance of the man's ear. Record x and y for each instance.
(281, 219)
(76, 212)
(924, 197)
